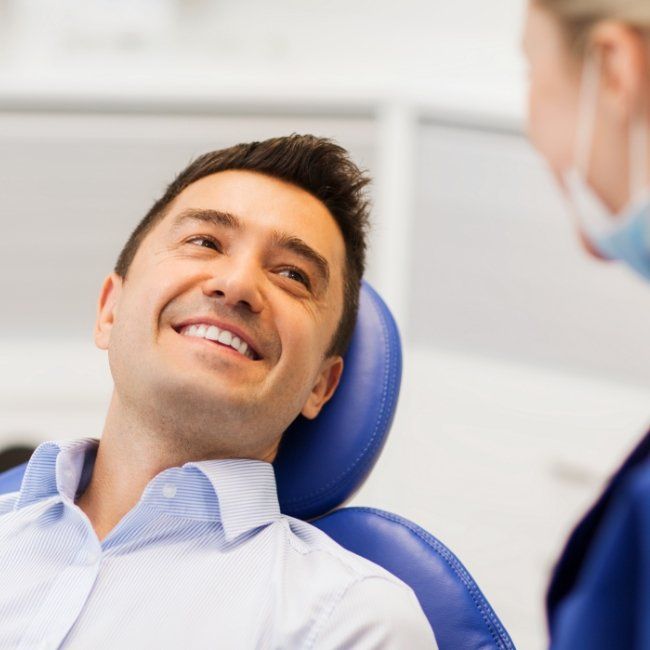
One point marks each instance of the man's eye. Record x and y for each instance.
(295, 274)
(205, 242)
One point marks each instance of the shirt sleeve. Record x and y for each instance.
(376, 613)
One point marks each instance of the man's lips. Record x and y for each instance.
(216, 347)
(219, 332)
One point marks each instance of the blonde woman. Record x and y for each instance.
(589, 116)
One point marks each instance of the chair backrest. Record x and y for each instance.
(322, 463)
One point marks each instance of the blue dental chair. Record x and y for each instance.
(322, 463)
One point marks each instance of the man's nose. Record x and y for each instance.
(236, 284)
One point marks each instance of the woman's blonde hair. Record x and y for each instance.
(577, 17)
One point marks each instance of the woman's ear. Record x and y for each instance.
(328, 380)
(106, 305)
(624, 54)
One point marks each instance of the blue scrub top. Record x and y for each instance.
(599, 596)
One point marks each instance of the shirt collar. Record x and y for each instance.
(246, 492)
(57, 468)
(241, 493)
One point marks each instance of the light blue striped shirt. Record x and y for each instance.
(204, 560)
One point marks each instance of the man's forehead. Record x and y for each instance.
(246, 191)
(259, 201)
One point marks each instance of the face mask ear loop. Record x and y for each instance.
(587, 109)
(638, 150)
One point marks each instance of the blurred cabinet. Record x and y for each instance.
(496, 268)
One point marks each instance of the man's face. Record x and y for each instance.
(256, 264)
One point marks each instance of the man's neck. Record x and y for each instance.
(130, 454)
(127, 459)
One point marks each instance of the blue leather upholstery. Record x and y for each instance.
(322, 463)
(11, 479)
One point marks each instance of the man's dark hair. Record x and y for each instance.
(318, 166)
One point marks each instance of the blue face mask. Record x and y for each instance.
(625, 236)
(630, 241)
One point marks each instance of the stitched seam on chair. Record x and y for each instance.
(482, 605)
(390, 378)
(488, 614)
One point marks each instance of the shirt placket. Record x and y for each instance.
(70, 589)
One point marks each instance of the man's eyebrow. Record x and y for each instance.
(215, 217)
(299, 247)
(280, 240)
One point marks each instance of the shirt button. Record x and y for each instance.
(169, 491)
(92, 557)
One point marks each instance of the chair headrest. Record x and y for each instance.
(322, 462)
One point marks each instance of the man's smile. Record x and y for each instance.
(227, 337)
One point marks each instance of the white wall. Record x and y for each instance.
(337, 43)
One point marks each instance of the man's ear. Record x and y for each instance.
(108, 299)
(328, 380)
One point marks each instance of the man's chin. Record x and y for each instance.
(197, 396)
(196, 386)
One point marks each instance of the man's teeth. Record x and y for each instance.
(224, 337)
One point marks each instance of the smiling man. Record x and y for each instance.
(226, 317)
